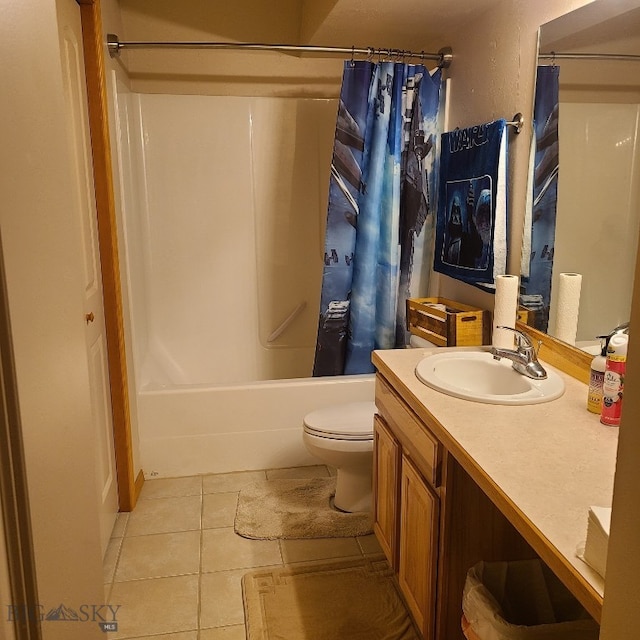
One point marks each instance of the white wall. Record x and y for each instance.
(43, 264)
(621, 614)
(493, 76)
(233, 73)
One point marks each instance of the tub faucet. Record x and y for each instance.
(524, 357)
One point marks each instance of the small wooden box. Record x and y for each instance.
(457, 325)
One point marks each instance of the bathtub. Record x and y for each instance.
(195, 429)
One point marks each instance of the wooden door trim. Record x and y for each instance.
(128, 485)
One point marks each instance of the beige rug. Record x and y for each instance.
(295, 509)
(355, 600)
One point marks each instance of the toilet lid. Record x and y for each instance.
(352, 421)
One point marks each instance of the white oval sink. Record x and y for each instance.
(475, 375)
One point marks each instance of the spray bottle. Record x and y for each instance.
(596, 377)
(613, 386)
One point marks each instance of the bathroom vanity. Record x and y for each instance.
(456, 482)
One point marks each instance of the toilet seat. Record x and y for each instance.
(353, 421)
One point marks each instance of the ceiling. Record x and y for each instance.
(401, 24)
(411, 24)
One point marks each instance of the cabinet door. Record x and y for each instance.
(419, 517)
(386, 485)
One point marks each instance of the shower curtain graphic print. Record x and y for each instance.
(536, 284)
(380, 212)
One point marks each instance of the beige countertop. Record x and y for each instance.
(543, 465)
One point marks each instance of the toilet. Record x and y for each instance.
(342, 436)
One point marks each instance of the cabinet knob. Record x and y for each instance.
(89, 317)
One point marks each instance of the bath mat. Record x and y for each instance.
(355, 599)
(300, 508)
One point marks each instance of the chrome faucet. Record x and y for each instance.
(621, 328)
(524, 357)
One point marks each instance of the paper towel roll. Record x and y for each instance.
(568, 306)
(504, 310)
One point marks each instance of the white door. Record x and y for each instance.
(70, 31)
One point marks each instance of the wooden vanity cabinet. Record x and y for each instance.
(431, 519)
(406, 521)
(407, 503)
(418, 541)
(386, 490)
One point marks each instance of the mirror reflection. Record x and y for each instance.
(597, 192)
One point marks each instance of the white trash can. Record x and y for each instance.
(521, 600)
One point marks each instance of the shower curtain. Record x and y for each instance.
(380, 214)
(540, 219)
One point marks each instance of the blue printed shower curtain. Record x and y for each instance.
(540, 221)
(380, 211)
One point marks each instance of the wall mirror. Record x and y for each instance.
(596, 163)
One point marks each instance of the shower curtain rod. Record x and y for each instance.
(554, 55)
(443, 57)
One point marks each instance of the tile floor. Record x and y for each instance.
(174, 564)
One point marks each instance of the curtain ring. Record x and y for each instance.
(370, 53)
(553, 58)
(353, 52)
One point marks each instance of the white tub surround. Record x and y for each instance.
(223, 223)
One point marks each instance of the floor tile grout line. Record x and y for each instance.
(281, 551)
(167, 577)
(118, 556)
(126, 523)
(162, 533)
